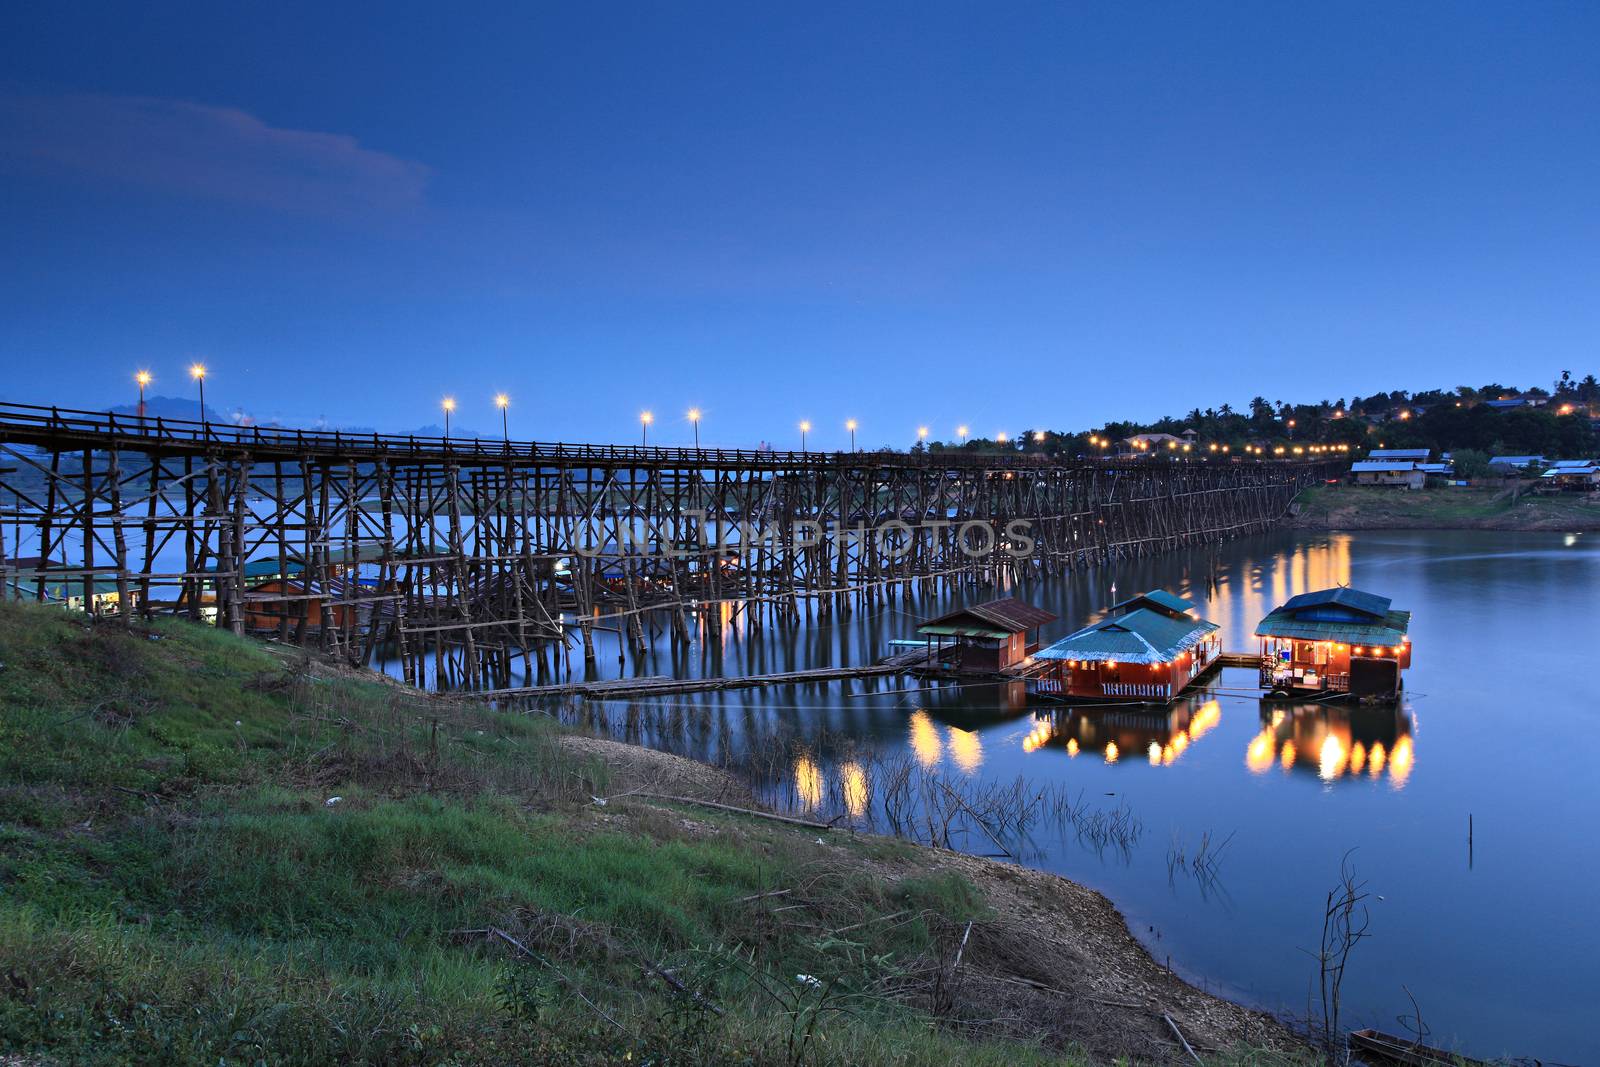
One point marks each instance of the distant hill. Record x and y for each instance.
(188, 408)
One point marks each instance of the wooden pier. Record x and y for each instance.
(476, 562)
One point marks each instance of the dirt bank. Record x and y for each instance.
(1052, 961)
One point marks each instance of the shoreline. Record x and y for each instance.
(531, 893)
(1360, 508)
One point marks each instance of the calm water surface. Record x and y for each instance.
(1497, 942)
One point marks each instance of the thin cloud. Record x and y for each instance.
(217, 153)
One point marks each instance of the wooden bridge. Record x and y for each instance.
(479, 561)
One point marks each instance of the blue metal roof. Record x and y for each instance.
(1339, 597)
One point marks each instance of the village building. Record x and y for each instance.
(1144, 444)
(1573, 476)
(1400, 455)
(987, 638)
(1504, 465)
(1402, 473)
(1338, 640)
(1147, 649)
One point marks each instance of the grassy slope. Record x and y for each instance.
(174, 888)
(1348, 507)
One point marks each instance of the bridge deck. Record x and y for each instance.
(68, 428)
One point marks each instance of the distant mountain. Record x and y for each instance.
(172, 407)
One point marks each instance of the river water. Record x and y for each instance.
(1492, 935)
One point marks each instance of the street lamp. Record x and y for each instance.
(449, 405)
(850, 424)
(143, 378)
(961, 431)
(645, 419)
(197, 371)
(1000, 438)
(502, 402)
(922, 433)
(805, 428)
(694, 417)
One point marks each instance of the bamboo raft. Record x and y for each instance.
(632, 688)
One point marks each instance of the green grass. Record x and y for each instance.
(176, 888)
(1449, 507)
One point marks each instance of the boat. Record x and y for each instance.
(1375, 1046)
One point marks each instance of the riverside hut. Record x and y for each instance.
(1335, 641)
(985, 638)
(1148, 649)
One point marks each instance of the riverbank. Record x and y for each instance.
(1356, 507)
(221, 851)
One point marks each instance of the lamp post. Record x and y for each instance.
(694, 419)
(198, 373)
(805, 428)
(449, 405)
(1000, 438)
(922, 434)
(143, 378)
(645, 419)
(503, 402)
(961, 431)
(850, 424)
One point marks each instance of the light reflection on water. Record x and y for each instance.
(1298, 785)
(1333, 741)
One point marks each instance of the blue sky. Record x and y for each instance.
(1004, 215)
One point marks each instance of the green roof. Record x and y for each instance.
(1140, 636)
(961, 631)
(1283, 623)
(265, 568)
(1160, 598)
(24, 586)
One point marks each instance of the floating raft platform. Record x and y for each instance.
(629, 688)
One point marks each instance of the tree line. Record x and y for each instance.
(1557, 423)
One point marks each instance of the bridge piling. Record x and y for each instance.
(466, 561)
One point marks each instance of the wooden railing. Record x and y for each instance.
(136, 431)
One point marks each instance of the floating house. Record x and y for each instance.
(1335, 641)
(985, 638)
(56, 582)
(1148, 649)
(281, 602)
